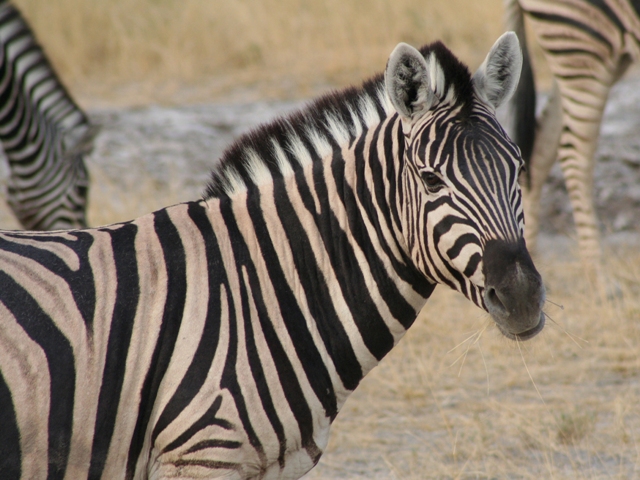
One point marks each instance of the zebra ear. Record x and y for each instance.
(498, 76)
(407, 82)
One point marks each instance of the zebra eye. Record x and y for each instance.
(433, 182)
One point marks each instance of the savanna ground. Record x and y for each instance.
(173, 81)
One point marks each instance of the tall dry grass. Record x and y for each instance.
(155, 48)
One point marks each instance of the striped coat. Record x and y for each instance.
(220, 338)
(44, 134)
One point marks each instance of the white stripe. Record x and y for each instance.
(339, 130)
(257, 169)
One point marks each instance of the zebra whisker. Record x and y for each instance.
(559, 305)
(574, 338)
(533, 382)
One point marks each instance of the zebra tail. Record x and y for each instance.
(522, 106)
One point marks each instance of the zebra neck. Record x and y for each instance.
(324, 256)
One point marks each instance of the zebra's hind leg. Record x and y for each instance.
(544, 155)
(582, 110)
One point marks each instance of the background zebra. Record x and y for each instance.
(588, 45)
(221, 337)
(42, 131)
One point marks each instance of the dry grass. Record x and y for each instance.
(132, 51)
(457, 400)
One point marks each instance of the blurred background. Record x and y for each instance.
(135, 52)
(173, 82)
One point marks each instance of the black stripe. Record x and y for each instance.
(482, 181)
(255, 364)
(552, 18)
(40, 327)
(568, 52)
(294, 319)
(461, 242)
(472, 265)
(200, 365)
(377, 210)
(229, 378)
(13, 15)
(392, 175)
(212, 464)
(604, 8)
(442, 227)
(315, 289)
(207, 419)
(286, 373)
(80, 281)
(341, 256)
(124, 311)
(500, 178)
(405, 268)
(10, 455)
(374, 331)
(586, 76)
(36, 134)
(229, 444)
(20, 113)
(174, 257)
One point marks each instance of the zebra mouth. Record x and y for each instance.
(527, 334)
(514, 293)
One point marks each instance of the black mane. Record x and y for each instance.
(344, 107)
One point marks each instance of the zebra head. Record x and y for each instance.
(460, 202)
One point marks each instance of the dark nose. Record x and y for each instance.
(514, 293)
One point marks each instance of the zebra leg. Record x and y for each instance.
(543, 156)
(582, 111)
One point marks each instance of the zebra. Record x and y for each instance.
(220, 337)
(588, 45)
(43, 133)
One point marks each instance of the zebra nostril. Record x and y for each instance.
(493, 300)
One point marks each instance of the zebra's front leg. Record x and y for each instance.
(544, 155)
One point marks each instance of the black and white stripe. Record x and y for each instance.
(220, 338)
(588, 45)
(43, 133)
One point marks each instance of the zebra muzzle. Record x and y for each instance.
(514, 293)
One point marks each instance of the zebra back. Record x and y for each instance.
(43, 133)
